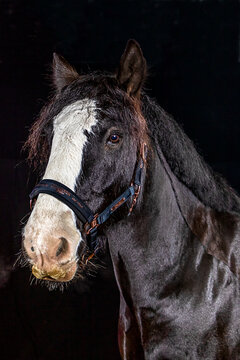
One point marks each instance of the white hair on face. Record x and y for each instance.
(64, 165)
(69, 138)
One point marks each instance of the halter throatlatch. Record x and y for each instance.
(84, 214)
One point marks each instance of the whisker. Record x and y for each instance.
(31, 279)
(22, 221)
(22, 259)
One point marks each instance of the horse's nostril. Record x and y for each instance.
(32, 248)
(62, 247)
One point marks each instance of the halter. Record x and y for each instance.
(84, 214)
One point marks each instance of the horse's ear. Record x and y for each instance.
(132, 69)
(63, 72)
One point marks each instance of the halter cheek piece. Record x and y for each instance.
(91, 221)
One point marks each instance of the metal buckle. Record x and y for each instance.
(93, 225)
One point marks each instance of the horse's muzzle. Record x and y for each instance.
(61, 274)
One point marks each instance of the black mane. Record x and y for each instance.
(185, 162)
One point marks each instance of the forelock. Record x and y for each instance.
(113, 102)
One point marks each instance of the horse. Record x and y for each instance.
(117, 169)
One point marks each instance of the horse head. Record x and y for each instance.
(89, 138)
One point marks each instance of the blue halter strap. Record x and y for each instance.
(90, 220)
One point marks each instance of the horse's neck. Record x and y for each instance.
(147, 247)
(166, 235)
(217, 231)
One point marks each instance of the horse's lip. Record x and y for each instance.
(59, 274)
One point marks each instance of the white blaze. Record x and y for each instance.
(64, 165)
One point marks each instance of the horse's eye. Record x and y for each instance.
(114, 138)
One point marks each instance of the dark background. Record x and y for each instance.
(193, 52)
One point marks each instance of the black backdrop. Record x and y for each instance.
(193, 53)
